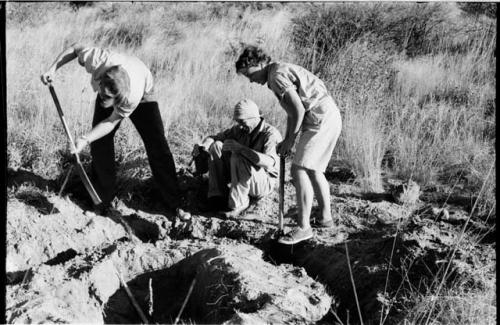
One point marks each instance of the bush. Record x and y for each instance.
(319, 35)
(488, 9)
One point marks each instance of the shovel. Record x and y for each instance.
(281, 196)
(78, 164)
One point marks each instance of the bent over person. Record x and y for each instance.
(311, 111)
(243, 156)
(124, 87)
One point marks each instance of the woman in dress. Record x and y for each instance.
(312, 112)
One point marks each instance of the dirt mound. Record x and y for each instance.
(63, 263)
(231, 283)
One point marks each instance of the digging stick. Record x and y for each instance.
(150, 310)
(63, 185)
(185, 300)
(65, 180)
(132, 299)
(281, 194)
(79, 167)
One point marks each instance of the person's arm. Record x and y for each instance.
(208, 141)
(295, 114)
(98, 131)
(204, 145)
(256, 158)
(64, 57)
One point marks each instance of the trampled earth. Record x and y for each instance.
(64, 262)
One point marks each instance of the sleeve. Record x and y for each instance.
(92, 58)
(270, 144)
(224, 135)
(282, 81)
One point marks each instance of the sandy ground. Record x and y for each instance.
(64, 262)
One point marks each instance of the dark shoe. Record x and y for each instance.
(296, 236)
(322, 223)
(215, 203)
(103, 209)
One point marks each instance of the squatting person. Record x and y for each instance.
(311, 110)
(243, 156)
(124, 87)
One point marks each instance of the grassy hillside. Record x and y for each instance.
(415, 84)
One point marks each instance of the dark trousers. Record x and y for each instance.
(147, 120)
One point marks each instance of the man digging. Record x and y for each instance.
(243, 156)
(124, 87)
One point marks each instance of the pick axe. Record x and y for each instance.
(78, 164)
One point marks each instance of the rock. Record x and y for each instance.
(104, 280)
(406, 193)
(183, 215)
(441, 213)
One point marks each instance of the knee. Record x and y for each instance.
(241, 163)
(298, 173)
(215, 149)
(236, 158)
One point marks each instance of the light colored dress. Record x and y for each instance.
(96, 61)
(322, 122)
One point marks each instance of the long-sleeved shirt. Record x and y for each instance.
(263, 139)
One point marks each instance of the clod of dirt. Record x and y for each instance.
(34, 238)
(233, 284)
(406, 193)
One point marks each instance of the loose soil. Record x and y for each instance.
(64, 261)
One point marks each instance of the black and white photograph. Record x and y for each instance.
(250, 162)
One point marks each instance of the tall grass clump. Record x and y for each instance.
(429, 68)
(362, 73)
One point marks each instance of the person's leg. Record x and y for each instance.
(246, 181)
(304, 194)
(261, 183)
(148, 122)
(103, 158)
(304, 191)
(322, 192)
(241, 171)
(218, 171)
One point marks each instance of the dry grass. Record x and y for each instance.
(191, 52)
(425, 94)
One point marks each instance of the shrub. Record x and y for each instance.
(319, 35)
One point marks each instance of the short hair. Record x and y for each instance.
(117, 82)
(251, 57)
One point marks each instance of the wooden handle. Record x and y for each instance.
(281, 192)
(83, 176)
(63, 120)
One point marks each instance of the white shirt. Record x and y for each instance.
(285, 76)
(96, 61)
